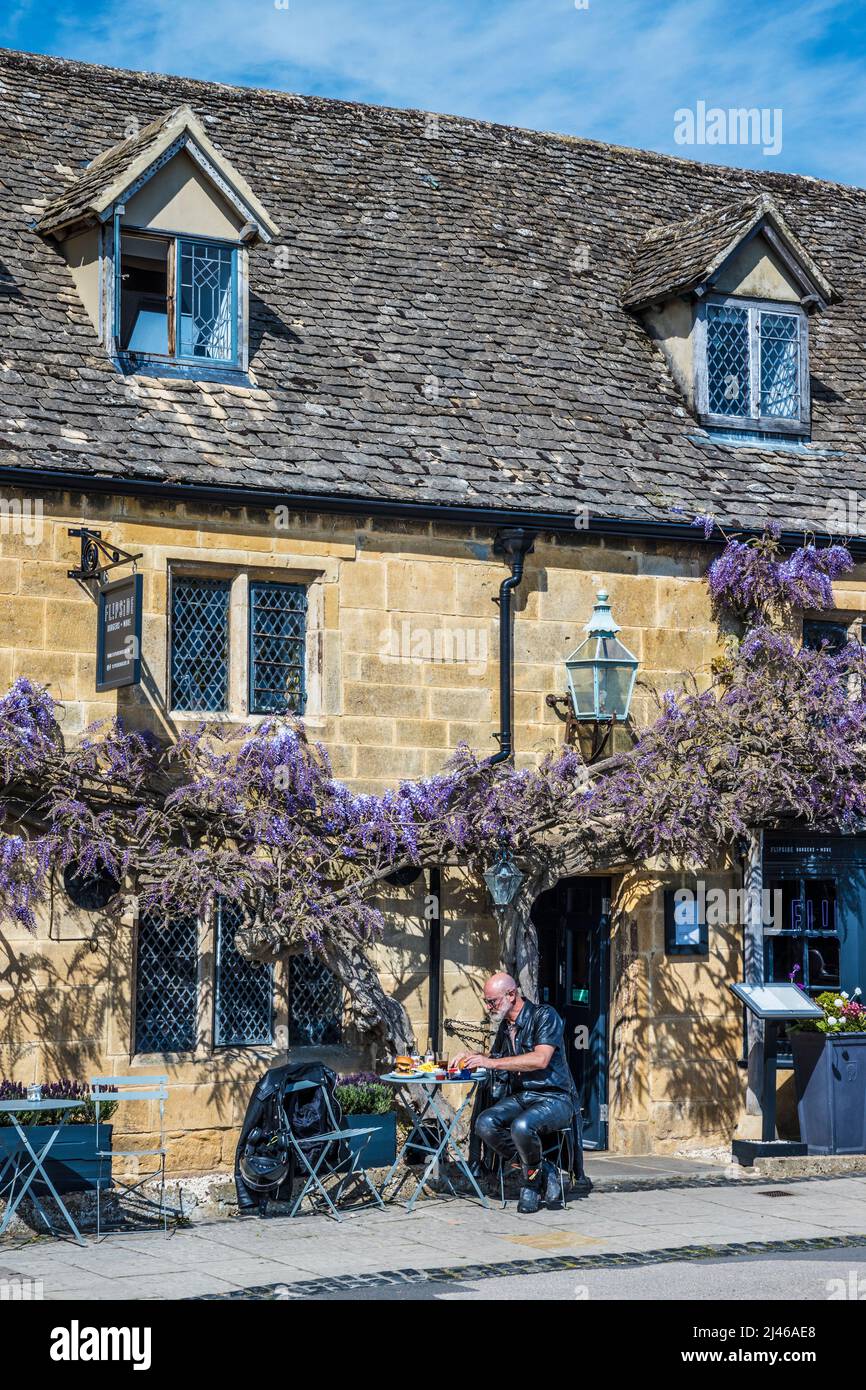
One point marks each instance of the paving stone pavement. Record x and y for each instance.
(283, 1257)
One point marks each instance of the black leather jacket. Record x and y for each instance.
(268, 1093)
(536, 1024)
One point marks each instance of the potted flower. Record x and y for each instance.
(368, 1103)
(830, 1075)
(71, 1164)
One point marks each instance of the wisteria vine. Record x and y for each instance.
(258, 818)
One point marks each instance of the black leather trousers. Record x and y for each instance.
(514, 1125)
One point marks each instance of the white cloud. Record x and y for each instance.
(616, 71)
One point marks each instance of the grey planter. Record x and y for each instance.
(381, 1148)
(71, 1164)
(830, 1077)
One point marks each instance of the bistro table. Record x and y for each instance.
(446, 1123)
(27, 1163)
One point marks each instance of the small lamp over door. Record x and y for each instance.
(503, 879)
(601, 674)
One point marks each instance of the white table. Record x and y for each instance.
(28, 1163)
(446, 1121)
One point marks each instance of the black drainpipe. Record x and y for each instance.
(513, 545)
(434, 996)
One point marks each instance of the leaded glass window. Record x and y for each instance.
(206, 310)
(178, 300)
(315, 1004)
(780, 365)
(728, 360)
(199, 643)
(243, 989)
(166, 984)
(278, 620)
(755, 367)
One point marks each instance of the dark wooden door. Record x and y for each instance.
(572, 920)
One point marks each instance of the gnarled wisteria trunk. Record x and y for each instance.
(375, 1013)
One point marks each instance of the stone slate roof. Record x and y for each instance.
(86, 195)
(678, 257)
(108, 176)
(441, 319)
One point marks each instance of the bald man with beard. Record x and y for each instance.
(541, 1093)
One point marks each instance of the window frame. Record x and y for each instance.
(294, 1023)
(186, 577)
(754, 421)
(240, 579)
(840, 626)
(220, 984)
(234, 365)
(268, 584)
(188, 1045)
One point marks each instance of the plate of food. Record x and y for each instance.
(407, 1070)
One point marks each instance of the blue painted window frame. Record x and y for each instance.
(231, 363)
(180, 242)
(266, 585)
(800, 934)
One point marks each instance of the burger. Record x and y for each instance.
(404, 1066)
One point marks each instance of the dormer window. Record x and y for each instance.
(178, 299)
(157, 234)
(727, 295)
(751, 365)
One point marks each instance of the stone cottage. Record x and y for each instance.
(309, 361)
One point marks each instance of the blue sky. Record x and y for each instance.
(617, 70)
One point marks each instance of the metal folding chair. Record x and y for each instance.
(323, 1165)
(560, 1145)
(133, 1088)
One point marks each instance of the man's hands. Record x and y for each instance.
(536, 1060)
(473, 1060)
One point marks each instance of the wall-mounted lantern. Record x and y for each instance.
(503, 879)
(601, 675)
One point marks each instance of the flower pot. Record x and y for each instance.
(830, 1076)
(381, 1147)
(71, 1164)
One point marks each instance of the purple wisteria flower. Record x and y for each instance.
(706, 522)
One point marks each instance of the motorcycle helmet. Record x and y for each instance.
(265, 1167)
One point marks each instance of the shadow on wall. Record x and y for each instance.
(60, 995)
(675, 1037)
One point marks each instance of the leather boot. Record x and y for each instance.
(551, 1186)
(530, 1192)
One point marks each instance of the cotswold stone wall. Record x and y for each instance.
(403, 665)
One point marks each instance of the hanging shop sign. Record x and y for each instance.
(118, 608)
(118, 634)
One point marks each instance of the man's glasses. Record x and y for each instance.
(492, 1003)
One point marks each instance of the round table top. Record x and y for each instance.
(8, 1107)
(432, 1080)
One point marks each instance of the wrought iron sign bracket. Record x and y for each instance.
(94, 552)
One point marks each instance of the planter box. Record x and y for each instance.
(381, 1147)
(71, 1164)
(830, 1076)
